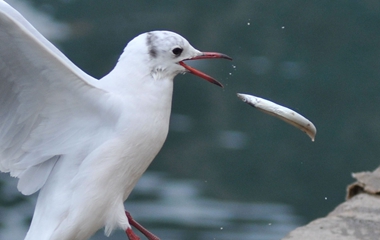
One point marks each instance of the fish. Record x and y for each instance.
(286, 114)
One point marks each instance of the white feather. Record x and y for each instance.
(40, 91)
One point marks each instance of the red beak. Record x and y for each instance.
(205, 55)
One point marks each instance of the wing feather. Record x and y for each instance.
(33, 178)
(48, 106)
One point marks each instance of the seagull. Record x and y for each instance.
(83, 143)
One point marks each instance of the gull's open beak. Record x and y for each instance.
(205, 55)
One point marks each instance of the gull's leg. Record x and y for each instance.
(139, 227)
(131, 235)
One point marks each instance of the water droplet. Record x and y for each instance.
(325, 198)
(248, 23)
(283, 27)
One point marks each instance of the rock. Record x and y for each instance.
(356, 219)
(368, 182)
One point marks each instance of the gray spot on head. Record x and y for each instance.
(150, 43)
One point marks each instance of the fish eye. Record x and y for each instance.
(177, 51)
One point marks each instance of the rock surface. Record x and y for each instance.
(356, 219)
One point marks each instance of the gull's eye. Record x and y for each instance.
(177, 51)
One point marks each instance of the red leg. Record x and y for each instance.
(139, 227)
(131, 235)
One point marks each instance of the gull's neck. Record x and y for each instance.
(142, 89)
(136, 73)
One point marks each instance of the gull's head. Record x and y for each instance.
(165, 53)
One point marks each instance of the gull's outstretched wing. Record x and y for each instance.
(48, 106)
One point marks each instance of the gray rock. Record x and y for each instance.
(356, 219)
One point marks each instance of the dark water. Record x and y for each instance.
(178, 209)
(252, 176)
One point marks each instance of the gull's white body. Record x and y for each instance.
(83, 143)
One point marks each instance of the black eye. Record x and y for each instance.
(177, 51)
